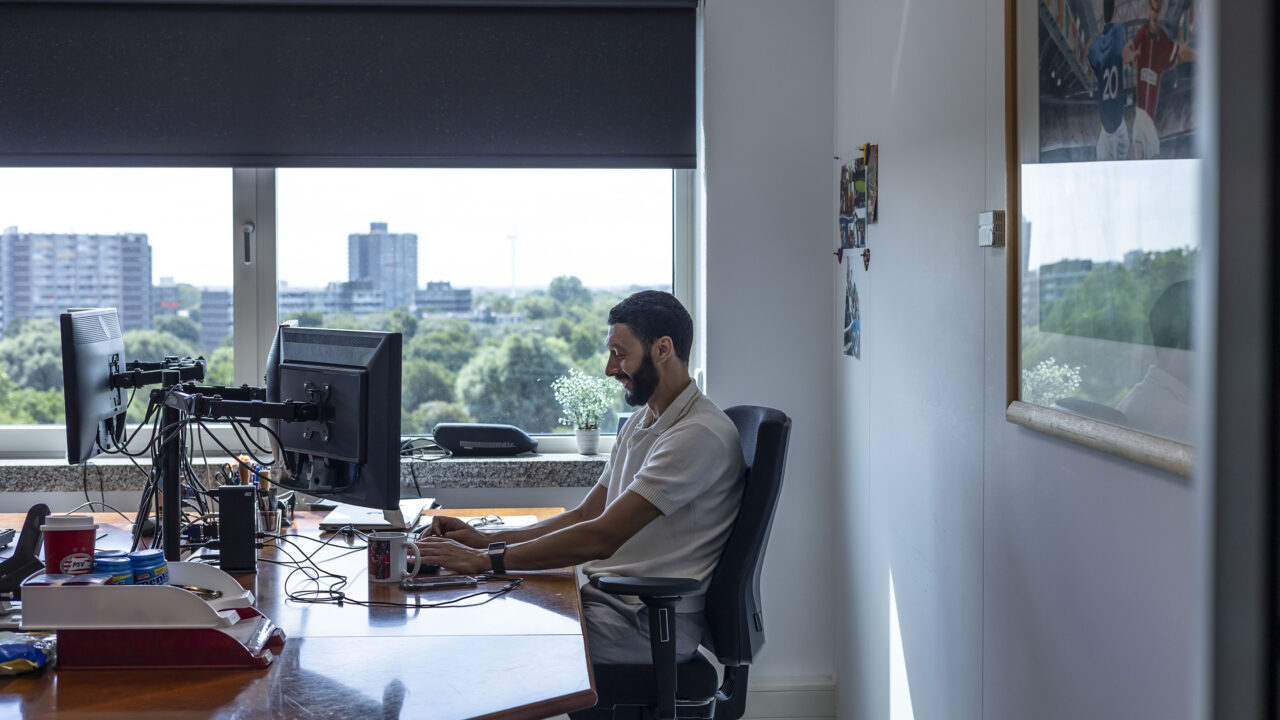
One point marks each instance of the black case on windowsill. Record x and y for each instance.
(480, 440)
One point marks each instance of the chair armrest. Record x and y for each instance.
(648, 586)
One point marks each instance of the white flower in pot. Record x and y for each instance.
(584, 400)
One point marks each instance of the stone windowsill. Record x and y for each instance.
(528, 471)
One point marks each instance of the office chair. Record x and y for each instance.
(735, 620)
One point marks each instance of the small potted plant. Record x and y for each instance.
(584, 399)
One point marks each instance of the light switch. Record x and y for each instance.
(991, 228)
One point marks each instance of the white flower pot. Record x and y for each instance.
(588, 440)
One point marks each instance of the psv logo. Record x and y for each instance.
(76, 564)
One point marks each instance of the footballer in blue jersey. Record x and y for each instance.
(1106, 59)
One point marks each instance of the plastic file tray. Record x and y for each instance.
(111, 626)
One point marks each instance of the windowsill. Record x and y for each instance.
(526, 471)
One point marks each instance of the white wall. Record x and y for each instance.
(768, 134)
(1030, 577)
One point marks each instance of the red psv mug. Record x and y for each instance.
(68, 544)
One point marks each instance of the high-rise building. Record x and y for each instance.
(43, 274)
(388, 261)
(216, 317)
(166, 297)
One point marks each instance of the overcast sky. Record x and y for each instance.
(608, 227)
(1101, 210)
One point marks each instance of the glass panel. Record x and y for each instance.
(500, 280)
(1110, 250)
(145, 241)
(1110, 172)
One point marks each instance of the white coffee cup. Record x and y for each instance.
(387, 562)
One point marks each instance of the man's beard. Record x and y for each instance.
(643, 382)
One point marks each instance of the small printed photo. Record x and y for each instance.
(846, 190)
(852, 316)
(859, 182)
(873, 183)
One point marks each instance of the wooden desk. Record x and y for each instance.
(519, 656)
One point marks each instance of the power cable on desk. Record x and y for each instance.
(333, 595)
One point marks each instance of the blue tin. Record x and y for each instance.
(149, 567)
(115, 563)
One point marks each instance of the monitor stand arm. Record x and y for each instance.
(241, 403)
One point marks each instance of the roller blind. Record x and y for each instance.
(514, 84)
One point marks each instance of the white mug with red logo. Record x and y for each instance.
(388, 557)
(68, 544)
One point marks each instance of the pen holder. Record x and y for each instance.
(269, 521)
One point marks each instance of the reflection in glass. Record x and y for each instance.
(1109, 252)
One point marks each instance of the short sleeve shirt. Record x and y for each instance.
(1157, 52)
(1106, 60)
(688, 463)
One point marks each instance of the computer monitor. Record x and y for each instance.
(352, 453)
(92, 349)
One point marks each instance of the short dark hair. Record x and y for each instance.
(651, 314)
(1108, 10)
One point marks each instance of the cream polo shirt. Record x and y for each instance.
(688, 463)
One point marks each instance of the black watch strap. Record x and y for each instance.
(497, 557)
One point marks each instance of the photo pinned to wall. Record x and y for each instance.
(859, 221)
(853, 204)
(872, 153)
(852, 316)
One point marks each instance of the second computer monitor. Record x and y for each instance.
(92, 350)
(352, 453)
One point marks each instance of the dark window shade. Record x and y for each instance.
(198, 84)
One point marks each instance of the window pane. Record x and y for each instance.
(145, 241)
(500, 280)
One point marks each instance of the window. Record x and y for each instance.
(140, 240)
(500, 280)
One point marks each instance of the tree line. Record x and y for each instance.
(453, 370)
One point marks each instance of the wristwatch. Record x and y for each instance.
(497, 554)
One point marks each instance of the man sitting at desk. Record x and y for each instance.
(664, 504)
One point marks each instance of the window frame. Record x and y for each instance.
(254, 297)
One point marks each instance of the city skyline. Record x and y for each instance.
(565, 222)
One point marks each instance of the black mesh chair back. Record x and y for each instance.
(734, 615)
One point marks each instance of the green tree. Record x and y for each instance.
(585, 342)
(450, 346)
(188, 296)
(1105, 306)
(429, 414)
(495, 302)
(152, 345)
(568, 291)
(307, 318)
(219, 369)
(26, 406)
(32, 354)
(182, 328)
(538, 307)
(424, 381)
(401, 321)
(511, 382)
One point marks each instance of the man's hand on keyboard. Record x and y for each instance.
(455, 529)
